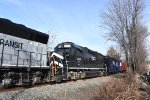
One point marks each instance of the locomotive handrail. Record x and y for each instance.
(22, 65)
(2, 55)
(57, 63)
(57, 55)
(32, 52)
(20, 59)
(17, 57)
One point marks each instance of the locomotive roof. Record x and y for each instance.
(80, 47)
(19, 30)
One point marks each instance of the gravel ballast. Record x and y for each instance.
(78, 90)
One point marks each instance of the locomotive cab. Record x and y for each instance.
(72, 53)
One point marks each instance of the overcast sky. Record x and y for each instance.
(75, 21)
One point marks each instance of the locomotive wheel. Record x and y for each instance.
(75, 79)
(105, 73)
(58, 80)
(83, 75)
(101, 73)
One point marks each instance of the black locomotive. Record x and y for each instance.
(78, 62)
(71, 62)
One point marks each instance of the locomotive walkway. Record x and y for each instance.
(78, 90)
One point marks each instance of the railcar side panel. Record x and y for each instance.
(11, 47)
(111, 64)
(118, 65)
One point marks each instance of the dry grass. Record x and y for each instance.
(143, 69)
(120, 89)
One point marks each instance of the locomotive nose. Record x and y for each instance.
(64, 54)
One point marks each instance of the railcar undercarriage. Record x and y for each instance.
(24, 76)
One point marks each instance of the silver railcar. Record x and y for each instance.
(23, 54)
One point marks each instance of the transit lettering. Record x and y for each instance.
(11, 43)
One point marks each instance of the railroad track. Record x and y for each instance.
(15, 88)
(4, 89)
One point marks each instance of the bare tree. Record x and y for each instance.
(123, 19)
(139, 48)
(52, 37)
(113, 53)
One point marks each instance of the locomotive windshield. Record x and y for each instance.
(67, 45)
(64, 47)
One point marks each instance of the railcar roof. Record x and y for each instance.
(19, 30)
